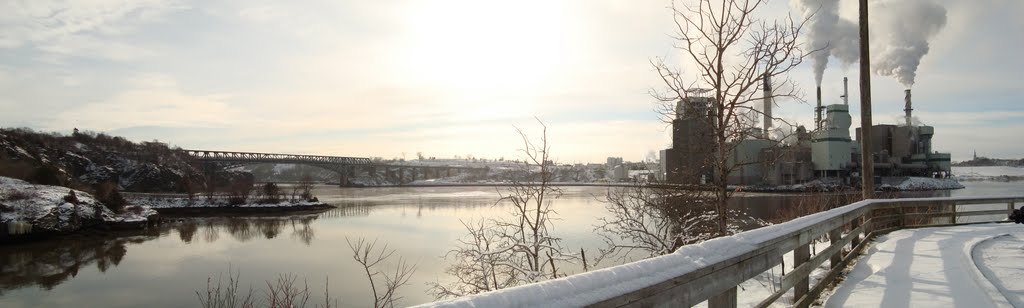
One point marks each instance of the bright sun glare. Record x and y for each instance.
(474, 50)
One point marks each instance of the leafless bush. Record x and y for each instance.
(306, 187)
(284, 292)
(270, 193)
(478, 262)
(239, 194)
(369, 257)
(15, 195)
(651, 220)
(224, 295)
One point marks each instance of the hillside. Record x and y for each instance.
(84, 160)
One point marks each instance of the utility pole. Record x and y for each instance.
(867, 162)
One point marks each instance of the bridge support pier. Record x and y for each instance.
(346, 175)
(449, 172)
(401, 176)
(209, 170)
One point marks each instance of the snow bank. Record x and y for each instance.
(920, 183)
(44, 207)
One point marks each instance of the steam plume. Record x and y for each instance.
(900, 30)
(903, 29)
(829, 35)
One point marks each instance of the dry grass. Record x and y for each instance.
(283, 292)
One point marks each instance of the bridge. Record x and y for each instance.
(346, 167)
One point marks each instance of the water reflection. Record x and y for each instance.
(244, 229)
(49, 264)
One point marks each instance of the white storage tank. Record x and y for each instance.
(830, 146)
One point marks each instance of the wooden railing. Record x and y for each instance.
(732, 260)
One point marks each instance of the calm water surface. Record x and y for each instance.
(166, 266)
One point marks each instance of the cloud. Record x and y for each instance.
(80, 28)
(154, 100)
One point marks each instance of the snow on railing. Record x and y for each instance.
(710, 271)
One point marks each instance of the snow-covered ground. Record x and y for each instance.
(920, 183)
(199, 201)
(963, 266)
(43, 206)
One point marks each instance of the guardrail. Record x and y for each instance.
(711, 271)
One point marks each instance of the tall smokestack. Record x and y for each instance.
(846, 93)
(767, 106)
(817, 111)
(907, 108)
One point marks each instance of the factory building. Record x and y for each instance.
(827, 152)
(687, 162)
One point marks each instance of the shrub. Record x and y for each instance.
(71, 198)
(108, 194)
(48, 175)
(271, 193)
(17, 169)
(16, 195)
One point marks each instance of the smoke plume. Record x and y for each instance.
(901, 30)
(826, 15)
(828, 35)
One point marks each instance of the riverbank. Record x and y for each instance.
(29, 211)
(201, 206)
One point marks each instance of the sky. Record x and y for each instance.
(394, 78)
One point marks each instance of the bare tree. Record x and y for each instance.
(367, 254)
(530, 229)
(648, 220)
(478, 265)
(501, 253)
(732, 50)
(306, 187)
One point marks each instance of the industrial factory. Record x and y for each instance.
(824, 153)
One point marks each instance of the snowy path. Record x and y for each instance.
(964, 266)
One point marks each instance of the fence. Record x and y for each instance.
(711, 271)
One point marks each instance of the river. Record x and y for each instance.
(164, 267)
